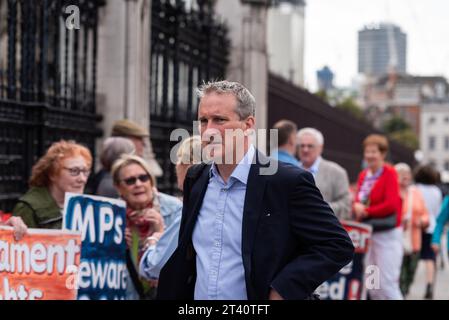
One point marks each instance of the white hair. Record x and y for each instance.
(313, 132)
(402, 167)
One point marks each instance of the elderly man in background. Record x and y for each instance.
(330, 178)
(140, 137)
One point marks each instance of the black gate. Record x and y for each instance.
(47, 84)
(187, 47)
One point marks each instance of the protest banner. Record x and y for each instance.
(348, 284)
(103, 270)
(41, 266)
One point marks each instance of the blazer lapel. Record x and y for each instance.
(196, 195)
(252, 211)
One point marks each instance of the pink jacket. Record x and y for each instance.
(420, 216)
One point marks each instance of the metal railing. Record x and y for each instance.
(188, 46)
(47, 84)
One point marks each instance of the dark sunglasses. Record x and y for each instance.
(132, 180)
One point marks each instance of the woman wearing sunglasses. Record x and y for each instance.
(64, 168)
(155, 257)
(148, 211)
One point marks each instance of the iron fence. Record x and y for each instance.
(47, 84)
(188, 46)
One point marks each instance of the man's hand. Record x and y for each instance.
(274, 295)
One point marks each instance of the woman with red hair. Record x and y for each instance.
(64, 168)
(378, 199)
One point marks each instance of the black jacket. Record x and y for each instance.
(291, 240)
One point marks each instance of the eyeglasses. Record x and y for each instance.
(75, 171)
(132, 180)
(308, 146)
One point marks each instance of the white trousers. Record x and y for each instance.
(386, 253)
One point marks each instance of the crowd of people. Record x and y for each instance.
(283, 230)
(404, 207)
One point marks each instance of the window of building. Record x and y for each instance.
(446, 119)
(432, 120)
(432, 142)
(446, 143)
(446, 165)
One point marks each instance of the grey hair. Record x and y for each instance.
(113, 148)
(313, 132)
(246, 103)
(403, 167)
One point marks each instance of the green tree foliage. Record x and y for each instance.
(322, 94)
(407, 138)
(395, 124)
(401, 131)
(349, 105)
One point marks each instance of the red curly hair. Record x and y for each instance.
(50, 165)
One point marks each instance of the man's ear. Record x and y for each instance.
(292, 140)
(250, 123)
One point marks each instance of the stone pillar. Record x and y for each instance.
(124, 63)
(249, 60)
(138, 62)
(286, 29)
(110, 63)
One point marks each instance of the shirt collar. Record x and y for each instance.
(315, 166)
(375, 175)
(241, 172)
(280, 151)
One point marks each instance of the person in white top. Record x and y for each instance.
(426, 179)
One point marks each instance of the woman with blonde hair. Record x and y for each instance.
(415, 218)
(65, 167)
(155, 257)
(148, 212)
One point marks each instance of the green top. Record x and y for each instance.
(38, 209)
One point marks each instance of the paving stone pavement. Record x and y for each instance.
(441, 291)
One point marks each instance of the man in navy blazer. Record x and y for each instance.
(247, 231)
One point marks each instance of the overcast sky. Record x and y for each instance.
(332, 26)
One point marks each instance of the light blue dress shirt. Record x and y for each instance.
(314, 168)
(217, 236)
(157, 255)
(284, 156)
